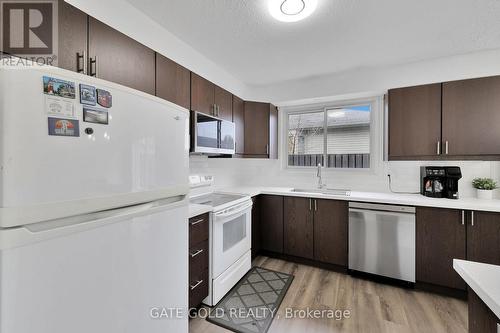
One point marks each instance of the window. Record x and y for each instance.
(335, 137)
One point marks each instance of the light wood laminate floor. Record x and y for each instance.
(374, 307)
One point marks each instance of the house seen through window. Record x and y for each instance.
(334, 137)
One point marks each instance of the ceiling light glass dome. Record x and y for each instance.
(292, 10)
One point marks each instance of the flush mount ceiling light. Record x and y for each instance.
(291, 10)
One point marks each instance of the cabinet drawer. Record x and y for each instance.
(198, 259)
(198, 289)
(198, 229)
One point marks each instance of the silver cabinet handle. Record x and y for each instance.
(267, 149)
(315, 205)
(446, 147)
(310, 204)
(94, 63)
(200, 251)
(439, 147)
(81, 58)
(196, 222)
(193, 287)
(472, 219)
(463, 217)
(218, 111)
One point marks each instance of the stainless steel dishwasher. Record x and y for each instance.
(382, 240)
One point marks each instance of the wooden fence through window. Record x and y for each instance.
(333, 160)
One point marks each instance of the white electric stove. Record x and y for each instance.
(230, 237)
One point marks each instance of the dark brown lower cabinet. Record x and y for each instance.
(198, 259)
(271, 223)
(331, 222)
(481, 318)
(440, 239)
(483, 237)
(255, 226)
(298, 227)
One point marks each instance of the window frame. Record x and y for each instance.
(376, 132)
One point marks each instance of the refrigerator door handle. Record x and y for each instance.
(36, 232)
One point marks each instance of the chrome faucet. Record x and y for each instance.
(320, 178)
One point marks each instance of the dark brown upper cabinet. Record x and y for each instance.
(415, 122)
(210, 99)
(173, 82)
(471, 114)
(298, 228)
(223, 100)
(441, 237)
(118, 58)
(202, 95)
(271, 223)
(72, 53)
(331, 220)
(483, 237)
(261, 130)
(239, 124)
(451, 120)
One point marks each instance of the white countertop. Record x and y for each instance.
(484, 279)
(377, 197)
(196, 209)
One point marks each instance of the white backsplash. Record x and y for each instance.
(405, 174)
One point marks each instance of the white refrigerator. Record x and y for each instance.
(93, 208)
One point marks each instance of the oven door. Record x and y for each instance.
(231, 236)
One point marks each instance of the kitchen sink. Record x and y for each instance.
(328, 191)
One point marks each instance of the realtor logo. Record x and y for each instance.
(29, 29)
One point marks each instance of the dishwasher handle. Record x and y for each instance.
(382, 207)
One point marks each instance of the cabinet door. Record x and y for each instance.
(298, 227)
(239, 124)
(121, 59)
(440, 239)
(255, 226)
(202, 94)
(481, 318)
(224, 101)
(72, 37)
(483, 238)
(273, 132)
(415, 122)
(471, 116)
(173, 82)
(257, 129)
(271, 223)
(330, 231)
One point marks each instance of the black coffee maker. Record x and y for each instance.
(440, 182)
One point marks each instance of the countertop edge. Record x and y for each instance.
(374, 197)
(197, 209)
(474, 284)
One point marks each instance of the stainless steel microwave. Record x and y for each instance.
(211, 135)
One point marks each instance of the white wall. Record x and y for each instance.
(405, 174)
(370, 81)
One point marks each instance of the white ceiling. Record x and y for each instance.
(241, 37)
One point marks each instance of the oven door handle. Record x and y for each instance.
(234, 211)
